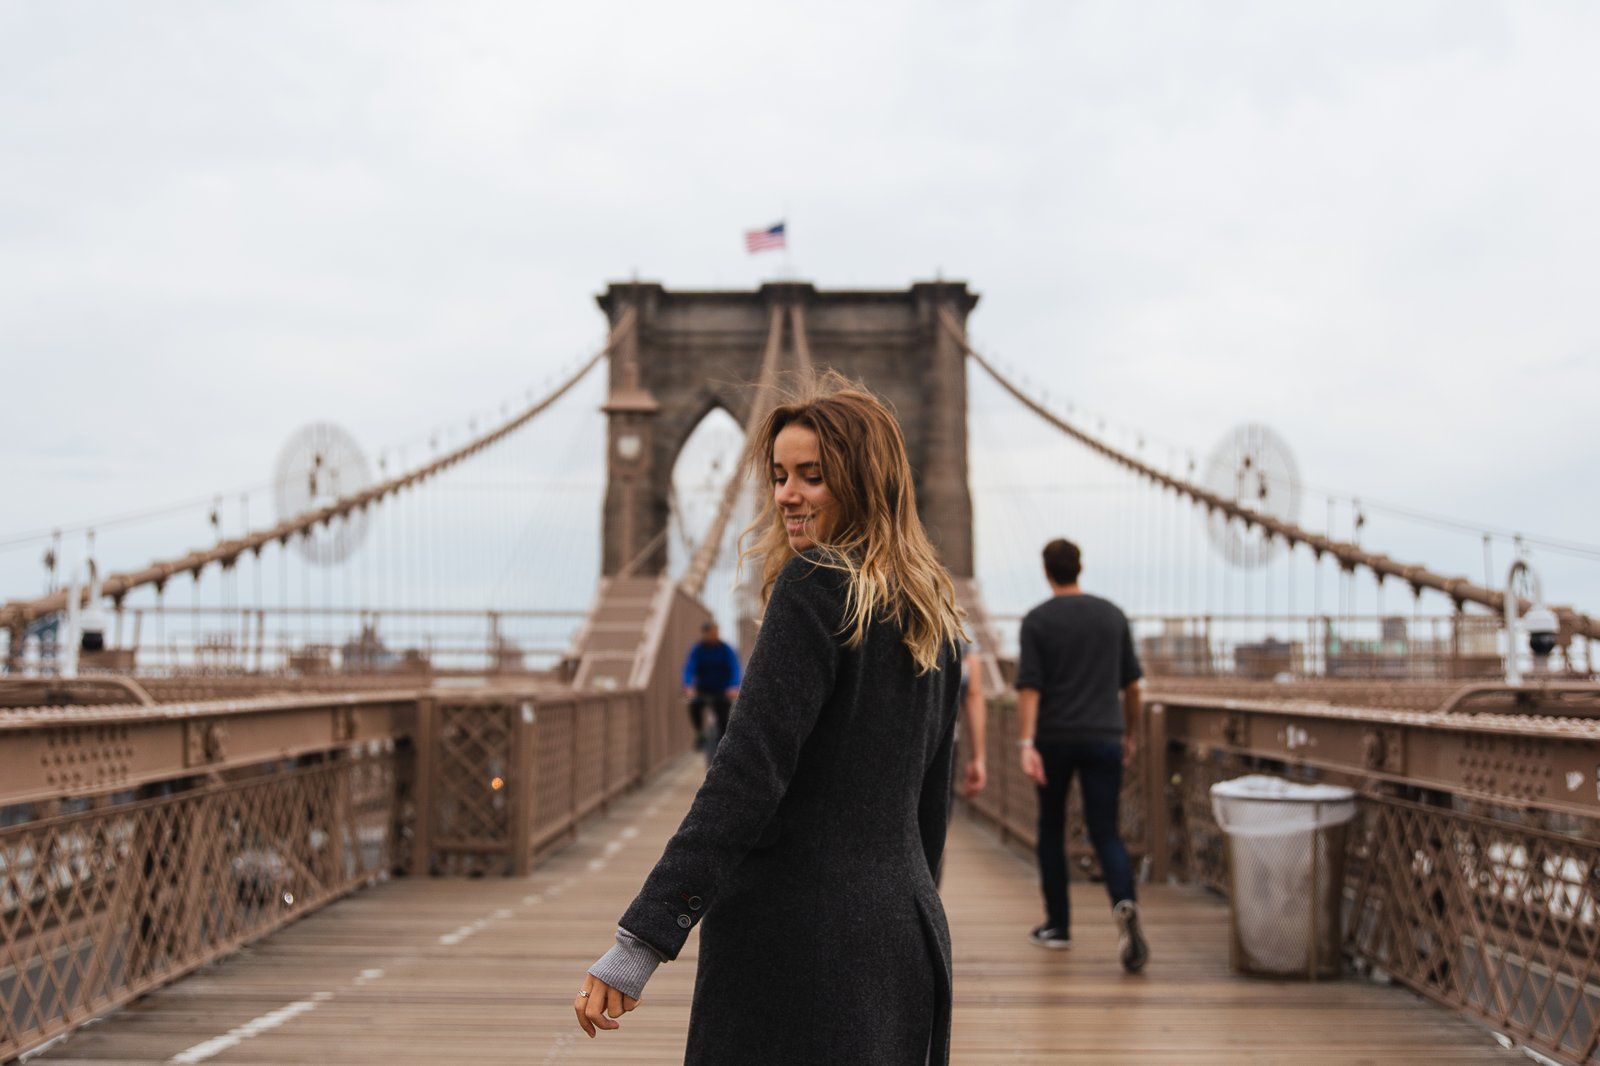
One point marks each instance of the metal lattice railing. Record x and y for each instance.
(508, 779)
(1485, 915)
(471, 812)
(1479, 897)
(1472, 872)
(143, 841)
(99, 906)
(1198, 851)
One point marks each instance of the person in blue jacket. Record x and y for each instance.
(710, 679)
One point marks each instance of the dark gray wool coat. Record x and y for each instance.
(808, 853)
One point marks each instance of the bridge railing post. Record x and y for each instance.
(608, 714)
(1157, 831)
(521, 770)
(1005, 774)
(424, 741)
(572, 772)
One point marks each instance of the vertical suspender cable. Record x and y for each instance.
(705, 556)
(802, 343)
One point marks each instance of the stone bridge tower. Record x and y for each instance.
(694, 351)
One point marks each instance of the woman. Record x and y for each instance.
(810, 847)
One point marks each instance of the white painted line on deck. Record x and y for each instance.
(367, 975)
(450, 940)
(559, 1051)
(254, 1027)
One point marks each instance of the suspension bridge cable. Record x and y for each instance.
(709, 549)
(128, 518)
(802, 343)
(1348, 553)
(16, 614)
(1559, 545)
(535, 543)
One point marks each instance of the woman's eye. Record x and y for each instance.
(813, 481)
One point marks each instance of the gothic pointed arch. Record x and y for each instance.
(695, 351)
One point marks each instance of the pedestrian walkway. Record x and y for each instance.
(483, 972)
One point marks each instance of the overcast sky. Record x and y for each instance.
(1370, 225)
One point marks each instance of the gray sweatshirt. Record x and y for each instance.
(628, 965)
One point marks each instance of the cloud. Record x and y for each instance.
(1368, 225)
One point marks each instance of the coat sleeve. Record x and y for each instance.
(788, 680)
(933, 805)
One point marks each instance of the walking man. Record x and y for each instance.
(710, 680)
(1079, 706)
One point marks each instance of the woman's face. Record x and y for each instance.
(798, 489)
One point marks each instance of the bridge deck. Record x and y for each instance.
(483, 971)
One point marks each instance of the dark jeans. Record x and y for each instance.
(1099, 767)
(717, 700)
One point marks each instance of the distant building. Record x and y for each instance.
(1267, 658)
(1175, 652)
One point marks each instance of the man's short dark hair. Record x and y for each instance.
(1063, 562)
(708, 625)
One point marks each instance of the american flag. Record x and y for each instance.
(759, 240)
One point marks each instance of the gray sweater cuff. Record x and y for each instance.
(628, 965)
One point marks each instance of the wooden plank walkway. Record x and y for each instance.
(483, 972)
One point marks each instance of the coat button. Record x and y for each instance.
(694, 903)
(684, 921)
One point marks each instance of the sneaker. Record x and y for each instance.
(1048, 936)
(1131, 945)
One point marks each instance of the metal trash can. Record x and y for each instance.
(1285, 846)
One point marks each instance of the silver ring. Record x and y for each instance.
(584, 993)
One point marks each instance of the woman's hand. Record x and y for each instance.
(976, 777)
(601, 1005)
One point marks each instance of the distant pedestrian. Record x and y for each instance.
(710, 682)
(1079, 706)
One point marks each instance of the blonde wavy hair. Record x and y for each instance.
(876, 537)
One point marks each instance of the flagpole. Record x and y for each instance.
(788, 258)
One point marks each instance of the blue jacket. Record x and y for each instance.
(713, 666)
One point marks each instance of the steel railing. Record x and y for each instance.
(1472, 874)
(140, 841)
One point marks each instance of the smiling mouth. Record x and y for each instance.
(794, 523)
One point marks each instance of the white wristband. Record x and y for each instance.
(1025, 742)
